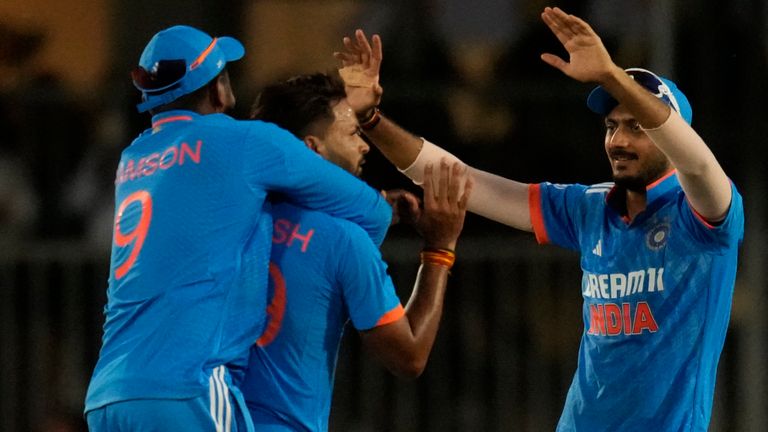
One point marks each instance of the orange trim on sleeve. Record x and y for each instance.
(698, 215)
(537, 216)
(203, 55)
(391, 316)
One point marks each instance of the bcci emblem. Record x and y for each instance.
(657, 236)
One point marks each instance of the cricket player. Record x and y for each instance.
(325, 271)
(190, 252)
(658, 244)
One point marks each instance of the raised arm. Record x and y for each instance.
(493, 197)
(702, 178)
(403, 346)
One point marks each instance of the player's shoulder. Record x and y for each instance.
(577, 189)
(334, 229)
(598, 188)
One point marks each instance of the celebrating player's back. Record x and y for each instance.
(191, 242)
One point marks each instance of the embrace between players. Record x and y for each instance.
(249, 237)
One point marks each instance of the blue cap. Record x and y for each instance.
(601, 102)
(201, 56)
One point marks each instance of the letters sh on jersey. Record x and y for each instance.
(627, 318)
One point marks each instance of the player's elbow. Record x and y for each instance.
(410, 368)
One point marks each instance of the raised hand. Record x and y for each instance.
(589, 60)
(361, 61)
(445, 206)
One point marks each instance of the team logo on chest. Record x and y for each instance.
(657, 236)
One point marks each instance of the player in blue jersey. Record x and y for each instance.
(658, 245)
(326, 272)
(191, 243)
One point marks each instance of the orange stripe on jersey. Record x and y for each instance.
(391, 316)
(700, 217)
(171, 119)
(664, 177)
(537, 216)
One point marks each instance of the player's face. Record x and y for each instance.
(635, 161)
(342, 143)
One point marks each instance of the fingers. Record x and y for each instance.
(468, 184)
(444, 179)
(377, 54)
(554, 61)
(359, 50)
(364, 47)
(573, 24)
(428, 185)
(349, 45)
(457, 176)
(565, 26)
(557, 25)
(346, 59)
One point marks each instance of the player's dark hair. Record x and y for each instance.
(300, 103)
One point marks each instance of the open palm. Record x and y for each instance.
(589, 61)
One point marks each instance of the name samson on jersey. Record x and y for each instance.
(166, 159)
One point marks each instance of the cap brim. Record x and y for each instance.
(233, 49)
(600, 101)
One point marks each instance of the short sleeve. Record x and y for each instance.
(369, 293)
(555, 212)
(719, 236)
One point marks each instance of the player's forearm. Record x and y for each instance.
(649, 111)
(398, 145)
(500, 199)
(494, 197)
(705, 183)
(424, 311)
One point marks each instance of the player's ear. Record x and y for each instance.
(220, 94)
(315, 144)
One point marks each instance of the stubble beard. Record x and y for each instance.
(653, 171)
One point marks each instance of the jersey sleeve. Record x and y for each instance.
(555, 213)
(369, 294)
(279, 162)
(720, 235)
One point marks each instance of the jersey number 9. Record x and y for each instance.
(138, 234)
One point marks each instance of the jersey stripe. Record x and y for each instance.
(391, 316)
(537, 217)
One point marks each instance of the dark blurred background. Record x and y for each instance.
(463, 74)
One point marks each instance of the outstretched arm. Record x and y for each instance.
(494, 197)
(705, 184)
(403, 346)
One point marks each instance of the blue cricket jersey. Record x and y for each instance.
(190, 253)
(324, 272)
(657, 298)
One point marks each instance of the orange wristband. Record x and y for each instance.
(442, 257)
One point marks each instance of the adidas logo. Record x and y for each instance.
(598, 250)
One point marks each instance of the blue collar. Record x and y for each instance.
(660, 187)
(655, 192)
